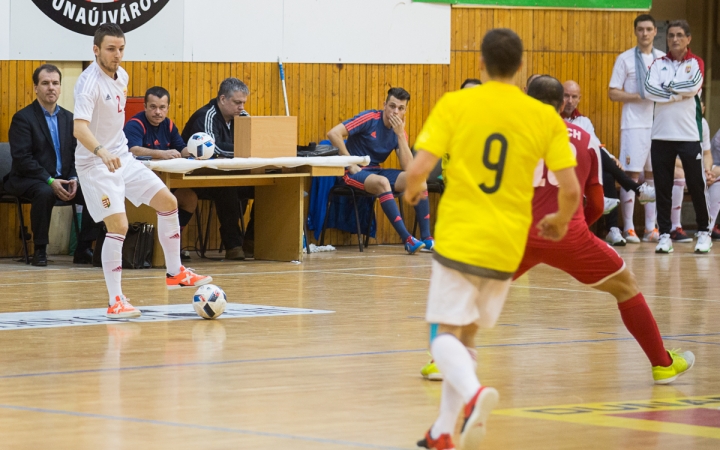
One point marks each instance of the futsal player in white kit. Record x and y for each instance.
(109, 173)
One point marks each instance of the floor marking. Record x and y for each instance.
(308, 357)
(161, 313)
(215, 275)
(196, 427)
(335, 271)
(611, 415)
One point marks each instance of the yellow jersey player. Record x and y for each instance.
(495, 136)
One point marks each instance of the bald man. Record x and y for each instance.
(611, 170)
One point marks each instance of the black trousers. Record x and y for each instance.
(610, 191)
(227, 203)
(663, 154)
(42, 200)
(612, 173)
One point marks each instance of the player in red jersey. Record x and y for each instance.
(583, 255)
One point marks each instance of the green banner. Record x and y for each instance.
(575, 4)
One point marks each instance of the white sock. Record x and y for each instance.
(677, 199)
(112, 265)
(713, 199)
(169, 235)
(450, 405)
(627, 200)
(456, 365)
(650, 212)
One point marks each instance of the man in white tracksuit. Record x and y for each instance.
(674, 82)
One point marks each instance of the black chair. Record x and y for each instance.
(203, 237)
(5, 197)
(341, 189)
(5, 166)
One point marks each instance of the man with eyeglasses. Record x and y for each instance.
(674, 83)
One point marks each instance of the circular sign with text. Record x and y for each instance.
(83, 16)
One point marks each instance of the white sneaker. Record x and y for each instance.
(664, 244)
(651, 236)
(615, 238)
(646, 193)
(631, 237)
(610, 204)
(704, 242)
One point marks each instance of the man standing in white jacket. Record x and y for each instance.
(674, 83)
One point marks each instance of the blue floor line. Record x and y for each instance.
(197, 427)
(339, 355)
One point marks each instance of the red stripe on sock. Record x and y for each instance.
(386, 197)
(167, 213)
(117, 237)
(639, 321)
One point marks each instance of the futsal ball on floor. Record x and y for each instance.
(201, 145)
(209, 301)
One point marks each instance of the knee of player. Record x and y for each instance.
(117, 224)
(385, 184)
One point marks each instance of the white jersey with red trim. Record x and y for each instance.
(100, 100)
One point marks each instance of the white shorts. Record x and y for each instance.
(457, 298)
(105, 192)
(635, 149)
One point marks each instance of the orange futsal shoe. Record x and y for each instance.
(186, 278)
(477, 412)
(443, 442)
(122, 309)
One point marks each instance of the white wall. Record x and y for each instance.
(318, 31)
(4, 29)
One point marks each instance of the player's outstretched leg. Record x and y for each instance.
(639, 321)
(391, 210)
(430, 371)
(458, 364)
(169, 235)
(119, 306)
(422, 212)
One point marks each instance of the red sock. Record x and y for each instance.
(639, 321)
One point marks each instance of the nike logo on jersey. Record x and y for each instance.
(108, 97)
(374, 135)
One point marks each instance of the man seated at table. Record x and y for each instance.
(43, 168)
(377, 134)
(152, 133)
(217, 119)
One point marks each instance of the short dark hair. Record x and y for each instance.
(399, 93)
(548, 90)
(470, 81)
(644, 18)
(502, 52)
(107, 29)
(157, 91)
(47, 68)
(682, 24)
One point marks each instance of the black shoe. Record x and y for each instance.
(83, 257)
(40, 258)
(185, 256)
(248, 247)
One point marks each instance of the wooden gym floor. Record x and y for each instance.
(569, 374)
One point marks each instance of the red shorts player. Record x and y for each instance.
(588, 259)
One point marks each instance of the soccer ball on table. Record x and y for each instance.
(201, 146)
(209, 301)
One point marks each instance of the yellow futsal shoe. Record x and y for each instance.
(681, 363)
(430, 371)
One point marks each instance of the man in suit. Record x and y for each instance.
(43, 169)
